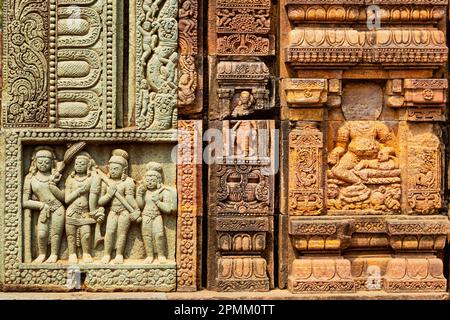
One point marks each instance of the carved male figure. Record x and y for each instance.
(186, 18)
(156, 200)
(118, 190)
(40, 192)
(82, 195)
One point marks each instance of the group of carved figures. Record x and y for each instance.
(91, 197)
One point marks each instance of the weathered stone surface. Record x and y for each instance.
(241, 207)
(101, 182)
(362, 189)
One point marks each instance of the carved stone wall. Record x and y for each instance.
(324, 125)
(100, 190)
(241, 207)
(362, 98)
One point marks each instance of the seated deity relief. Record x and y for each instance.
(97, 212)
(364, 172)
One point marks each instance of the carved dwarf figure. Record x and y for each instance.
(364, 170)
(82, 195)
(118, 190)
(40, 192)
(156, 200)
(186, 18)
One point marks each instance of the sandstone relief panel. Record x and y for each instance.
(240, 246)
(64, 71)
(108, 209)
(361, 118)
(153, 64)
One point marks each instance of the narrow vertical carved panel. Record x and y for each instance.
(153, 64)
(424, 173)
(241, 207)
(86, 80)
(26, 63)
(189, 185)
(305, 165)
(189, 65)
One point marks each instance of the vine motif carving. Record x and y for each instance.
(157, 59)
(26, 28)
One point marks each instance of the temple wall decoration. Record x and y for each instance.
(235, 146)
(362, 108)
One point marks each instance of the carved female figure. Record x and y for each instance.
(155, 200)
(40, 192)
(82, 195)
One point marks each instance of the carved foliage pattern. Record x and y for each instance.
(424, 173)
(188, 208)
(243, 27)
(188, 50)
(305, 161)
(27, 66)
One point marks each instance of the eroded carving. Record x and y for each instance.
(364, 168)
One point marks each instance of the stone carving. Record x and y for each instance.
(424, 92)
(26, 64)
(347, 14)
(350, 47)
(118, 190)
(188, 83)
(86, 95)
(243, 89)
(82, 191)
(243, 28)
(189, 204)
(241, 208)
(306, 92)
(305, 158)
(41, 184)
(242, 189)
(424, 173)
(360, 105)
(364, 168)
(69, 217)
(155, 200)
(156, 64)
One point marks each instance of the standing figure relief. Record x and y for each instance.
(90, 197)
(41, 193)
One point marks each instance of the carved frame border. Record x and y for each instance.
(18, 276)
(189, 188)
